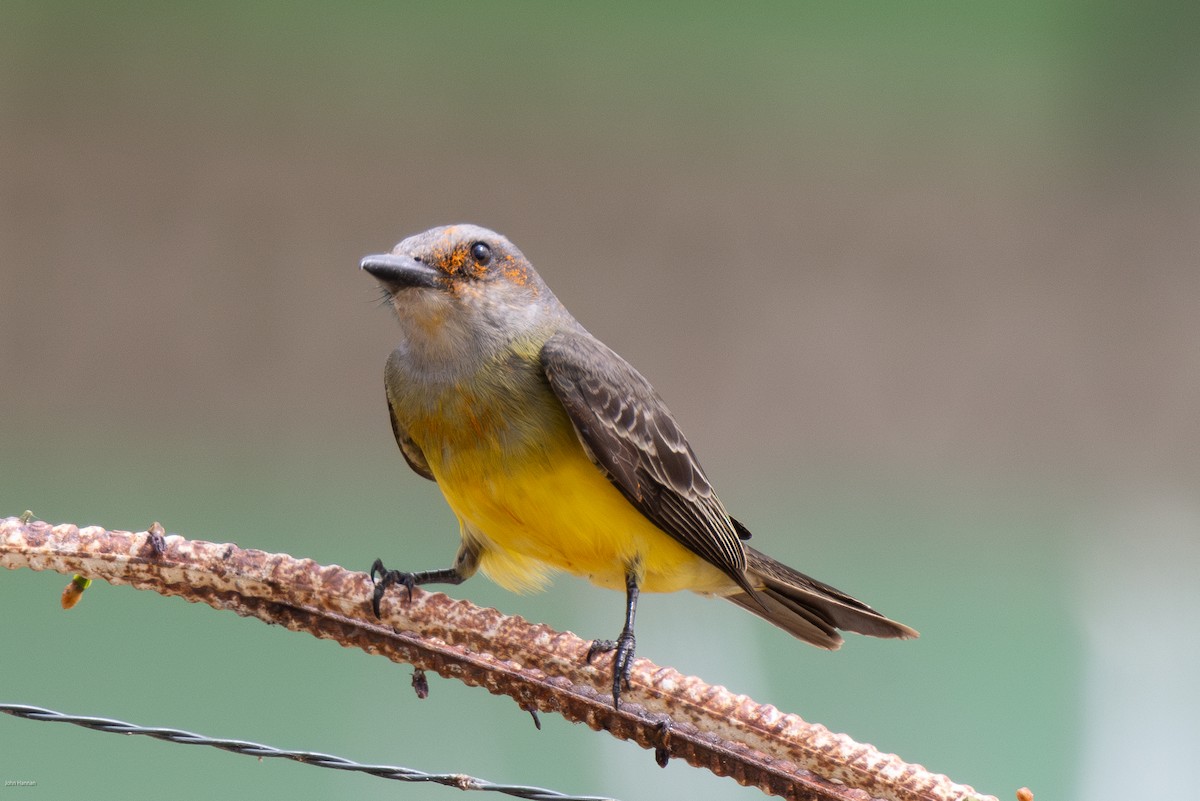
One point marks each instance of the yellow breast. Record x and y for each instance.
(536, 503)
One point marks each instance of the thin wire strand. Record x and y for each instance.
(457, 780)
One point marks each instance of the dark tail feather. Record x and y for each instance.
(808, 609)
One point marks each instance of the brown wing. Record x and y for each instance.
(630, 435)
(810, 609)
(412, 454)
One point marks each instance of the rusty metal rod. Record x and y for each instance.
(678, 716)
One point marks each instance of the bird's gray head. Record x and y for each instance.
(460, 290)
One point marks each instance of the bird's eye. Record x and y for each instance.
(481, 253)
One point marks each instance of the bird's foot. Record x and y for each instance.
(383, 578)
(622, 665)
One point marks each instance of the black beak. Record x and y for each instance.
(398, 272)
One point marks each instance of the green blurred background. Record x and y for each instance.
(921, 281)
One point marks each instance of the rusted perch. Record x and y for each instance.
(540, 668)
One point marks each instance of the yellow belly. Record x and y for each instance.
(552, 509)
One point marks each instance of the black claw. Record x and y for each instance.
(383, 578)
(599, 647)
(155, 539)
(662, 749)
(622, 665)
(420, 683)
(537, 722)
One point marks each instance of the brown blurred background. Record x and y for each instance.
(920, 282)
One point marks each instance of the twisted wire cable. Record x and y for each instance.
(458, 780)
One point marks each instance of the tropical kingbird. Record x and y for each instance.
(555, 454)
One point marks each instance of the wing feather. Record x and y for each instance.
(630, 435)
(412, 453)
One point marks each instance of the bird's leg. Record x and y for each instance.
(625, 643)
(464, 567)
